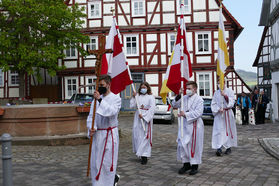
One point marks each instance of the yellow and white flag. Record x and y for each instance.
(223, 55)
(164, 89)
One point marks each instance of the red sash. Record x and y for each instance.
(111, 168)
(227, 120)
(194, 139)
(149, 133)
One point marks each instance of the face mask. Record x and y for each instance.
(102, 90)
(189, 92)
(143, 90)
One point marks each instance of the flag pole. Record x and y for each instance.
(182, 67)
(222, 76)
(128, 68)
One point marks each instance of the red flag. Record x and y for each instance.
(175, 78)
(115, 64)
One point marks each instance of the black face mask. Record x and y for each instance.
(102, 90)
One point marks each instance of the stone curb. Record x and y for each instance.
(270, 148)
(75, 139)
(71, 139)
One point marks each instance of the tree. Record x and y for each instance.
(34, 34)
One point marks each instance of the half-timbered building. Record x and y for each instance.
(262, 62)
(269, 52)
(148, 34)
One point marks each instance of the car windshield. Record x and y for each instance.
(81, 97)
(207, 102)
(159, 101)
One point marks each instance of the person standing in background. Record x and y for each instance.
(260, 102)
(244, 103)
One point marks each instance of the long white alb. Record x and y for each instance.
(142, 140)
(224, 128)
(190, 146)
(106, 136)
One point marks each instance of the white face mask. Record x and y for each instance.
(189, 92)
(143, 90)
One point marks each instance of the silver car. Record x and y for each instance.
(163, 111)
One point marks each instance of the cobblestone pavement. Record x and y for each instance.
(248, 164)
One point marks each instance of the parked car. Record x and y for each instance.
(207, 115)
(80, 98)
(163, 111)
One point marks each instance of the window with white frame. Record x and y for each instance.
(13, 78)
(172, 40)
(90, 81)
(138, 8)
(1, 78)
(185, 9)
(204, 84)
(71, 52)
(71, 86)
(131, 45)
(94, 9)
(203, 43)
(93, 43)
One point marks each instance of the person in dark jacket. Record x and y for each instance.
(244, 103)
(259, 103)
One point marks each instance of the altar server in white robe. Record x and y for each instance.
(190, 146)
(105, 144)
(142, 140)
(224, 128)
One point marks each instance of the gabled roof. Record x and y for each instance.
(265, 13)
(238, 76)
(255, 64)
(228, 15)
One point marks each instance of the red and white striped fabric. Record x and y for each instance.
(175, 78)
(115, 64)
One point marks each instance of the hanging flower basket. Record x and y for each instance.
(2, 111)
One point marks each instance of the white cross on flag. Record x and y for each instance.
(114, 64)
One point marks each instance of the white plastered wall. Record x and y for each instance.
(274, 95)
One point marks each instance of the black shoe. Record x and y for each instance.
(219, 152)
(143, 160)
(185, 168)
(116, 179)
(194, 170)
(228, 151)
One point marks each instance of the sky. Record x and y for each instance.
(247, 13)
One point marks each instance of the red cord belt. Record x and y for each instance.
(227, 120)
(148, 130)
(194, 139)
(149, 134)
(111, 168)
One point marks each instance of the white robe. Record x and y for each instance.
(224, 133)
(106, 116)
(142, 141)
(189, 149)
